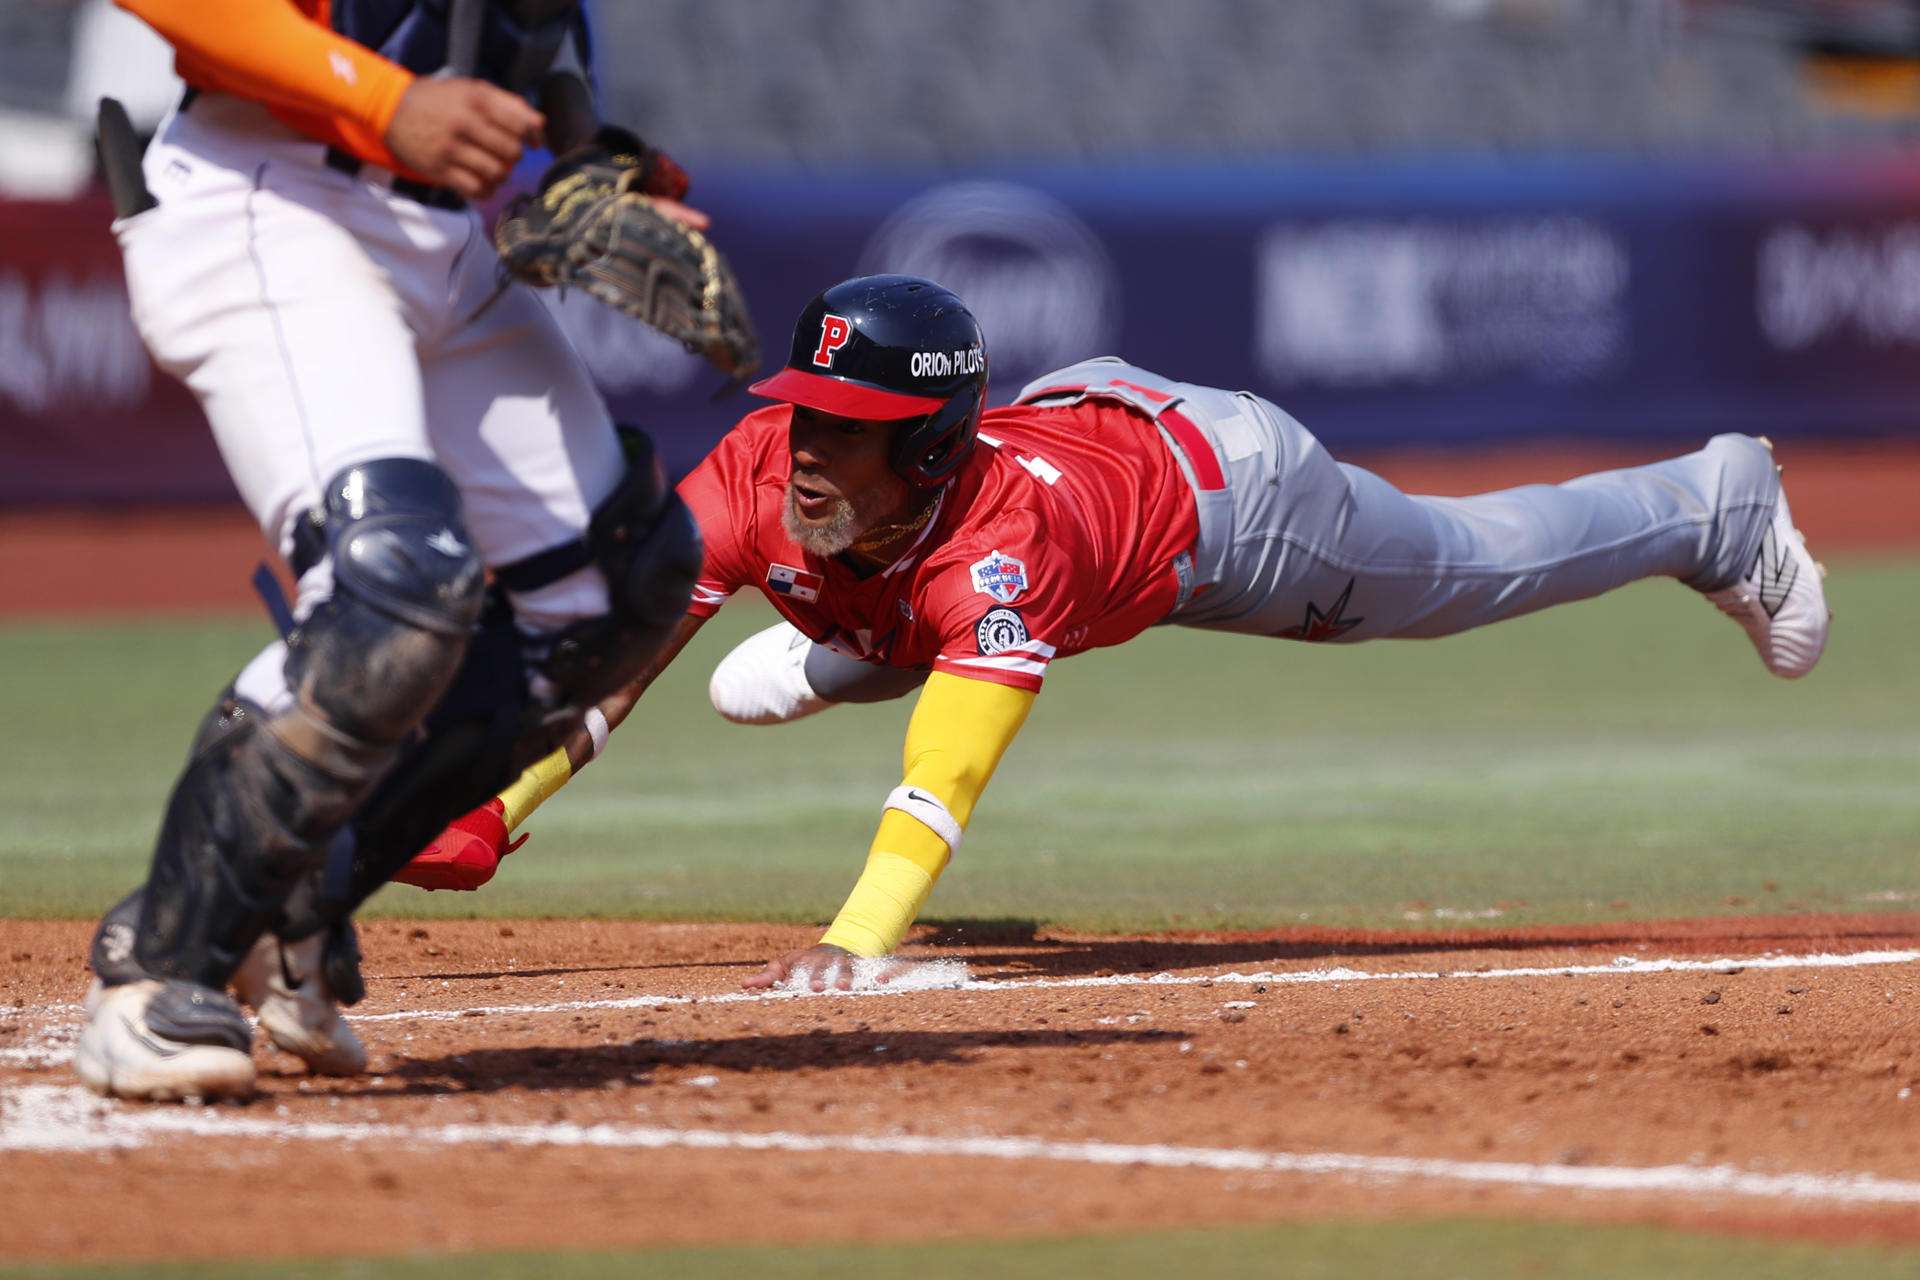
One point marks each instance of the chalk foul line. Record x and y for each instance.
(67, 1118)
(952, 975)
(54, 1048)
(943, 975)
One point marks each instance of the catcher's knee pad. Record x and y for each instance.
(644, 542)
(375, 656)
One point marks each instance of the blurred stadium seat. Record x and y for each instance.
(825, 81)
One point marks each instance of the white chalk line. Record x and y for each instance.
(55, 1047)
(45, 1117)
(67, 1118)
(949, 975)
(962, 982)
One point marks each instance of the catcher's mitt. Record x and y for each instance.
(594, 223)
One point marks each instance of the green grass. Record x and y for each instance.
(1441, 1250)
(1627, 750)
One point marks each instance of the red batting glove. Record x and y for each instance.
(466, 854)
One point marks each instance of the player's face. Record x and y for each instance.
(840, 486)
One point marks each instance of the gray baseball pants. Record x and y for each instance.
(1298, 545)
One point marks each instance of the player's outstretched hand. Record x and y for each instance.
(463, 134)
(819, 966)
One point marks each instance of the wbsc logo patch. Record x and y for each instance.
(1001, 630)
(1000, 576)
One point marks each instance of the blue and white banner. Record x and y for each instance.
(1385, 303)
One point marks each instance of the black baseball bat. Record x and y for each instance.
(120, 161)
(464, 20)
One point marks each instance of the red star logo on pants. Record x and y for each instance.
(1328, 625)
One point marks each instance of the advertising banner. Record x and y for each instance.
(1383, 304)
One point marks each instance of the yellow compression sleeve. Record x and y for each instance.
(959, 731)
(535, 787)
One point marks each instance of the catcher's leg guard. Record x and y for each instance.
(467, 750)
(518, 696)
(268, 787)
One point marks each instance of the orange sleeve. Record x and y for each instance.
(272, 52)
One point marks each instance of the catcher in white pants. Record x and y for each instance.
(912, 541)
(402, 424)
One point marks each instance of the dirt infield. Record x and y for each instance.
(541, 1085)
(1847, 498)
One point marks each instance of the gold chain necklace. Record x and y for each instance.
(874, 540)
(874, 544)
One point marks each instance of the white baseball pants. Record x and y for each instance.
(324, 321)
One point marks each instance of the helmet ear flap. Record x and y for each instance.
(925, 453)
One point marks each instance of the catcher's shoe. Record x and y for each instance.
(764, 679)
(155, 1041)
(286, 986)
(466, 854)
(1780, 600)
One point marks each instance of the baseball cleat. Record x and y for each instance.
(1780, 601)
(153, 1041)
(764, 679)
(284, 984)
(466, 854)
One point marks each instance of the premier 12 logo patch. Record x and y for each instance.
(835, 333)
(1001, 576)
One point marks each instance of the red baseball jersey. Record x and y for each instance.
(1058, 535)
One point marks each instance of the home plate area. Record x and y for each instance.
(579, 1084)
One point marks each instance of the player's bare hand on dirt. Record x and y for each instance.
(819, 966)
(824, 966)
(463, 134)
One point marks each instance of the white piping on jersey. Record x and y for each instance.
(907, 556)
(1011, 659)
(707, 595)
(1040, 647)
(986, 439)
(1002, 662)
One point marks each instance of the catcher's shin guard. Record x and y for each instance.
(268, 788)
(469, 747)
(246, 819)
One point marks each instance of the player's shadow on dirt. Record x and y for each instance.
(638, 1062)
(1014, 948)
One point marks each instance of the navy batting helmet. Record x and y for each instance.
(892, 349)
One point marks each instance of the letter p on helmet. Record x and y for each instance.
(834, 332)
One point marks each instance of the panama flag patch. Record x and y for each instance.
(1000, 576)
(785, 580)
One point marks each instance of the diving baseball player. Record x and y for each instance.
(403, 420)
(910, 539)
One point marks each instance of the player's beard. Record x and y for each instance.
(828, 538)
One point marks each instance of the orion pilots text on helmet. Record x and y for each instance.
(949, 364)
